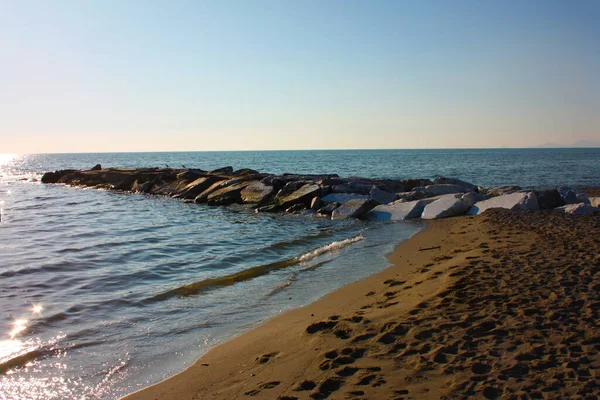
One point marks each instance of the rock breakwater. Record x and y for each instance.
(326, 195)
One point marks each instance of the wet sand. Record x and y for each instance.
(501, 305)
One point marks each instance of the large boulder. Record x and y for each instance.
(468, 187)
(96, 167)
(342, 198)
(228, 195)
(203, 197)
(51, 177)
(578, 209)
(573, 196)
(512, 201)
(193, 189)
(353, 209)
(549, 199)
(446, 206)
(438, 190)
(303, 195)
(399, 211)
(381, 196)
(257, 193)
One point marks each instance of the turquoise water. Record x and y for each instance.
(83, 273)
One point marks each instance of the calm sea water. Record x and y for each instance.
(86, 276)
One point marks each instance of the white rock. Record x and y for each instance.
(343, 198)
(578, 209)
(512, 201)
(399, 211)
(471, 198)
(446, 206)
(595, 201)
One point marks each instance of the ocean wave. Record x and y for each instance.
(254, 272)
(328, 248)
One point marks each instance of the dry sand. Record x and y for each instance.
(506, 307)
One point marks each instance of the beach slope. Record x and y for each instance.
(504, 304)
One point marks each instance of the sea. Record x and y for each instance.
(91, 299)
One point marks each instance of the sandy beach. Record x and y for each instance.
(500, 305)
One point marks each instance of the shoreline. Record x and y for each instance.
(505, 306)
(405, 261)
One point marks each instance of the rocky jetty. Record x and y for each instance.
(327, 195)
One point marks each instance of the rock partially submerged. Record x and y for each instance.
(353, 209)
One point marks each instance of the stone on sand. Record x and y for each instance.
(399, 211)
(446, 206)
(578, 209)
(512, 201)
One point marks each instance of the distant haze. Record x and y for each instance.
(96, 76)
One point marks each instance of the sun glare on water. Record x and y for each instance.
(6, 158)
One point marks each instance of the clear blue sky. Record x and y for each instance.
(233, 75)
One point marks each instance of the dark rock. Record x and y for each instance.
(354, 209)
(191, 174)
(50, 177)
(271, 208)
(296, 208)
(343, 188)
(97, 167)
(332, 181)
(328, 209)
(142, 188)
(549, 199)
(228, 195)
(502, 190)
(469, 187)
(222, 171)
(245, 171)
(289, 188)
(193, 189)
(203, 197)
(315, 203)
(410, 184)
(411, 196)
(302, 195)
(257, 193)
(381, 196)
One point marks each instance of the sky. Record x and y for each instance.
(95, 76)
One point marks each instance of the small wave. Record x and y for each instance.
(251, 273)
(330, 247)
